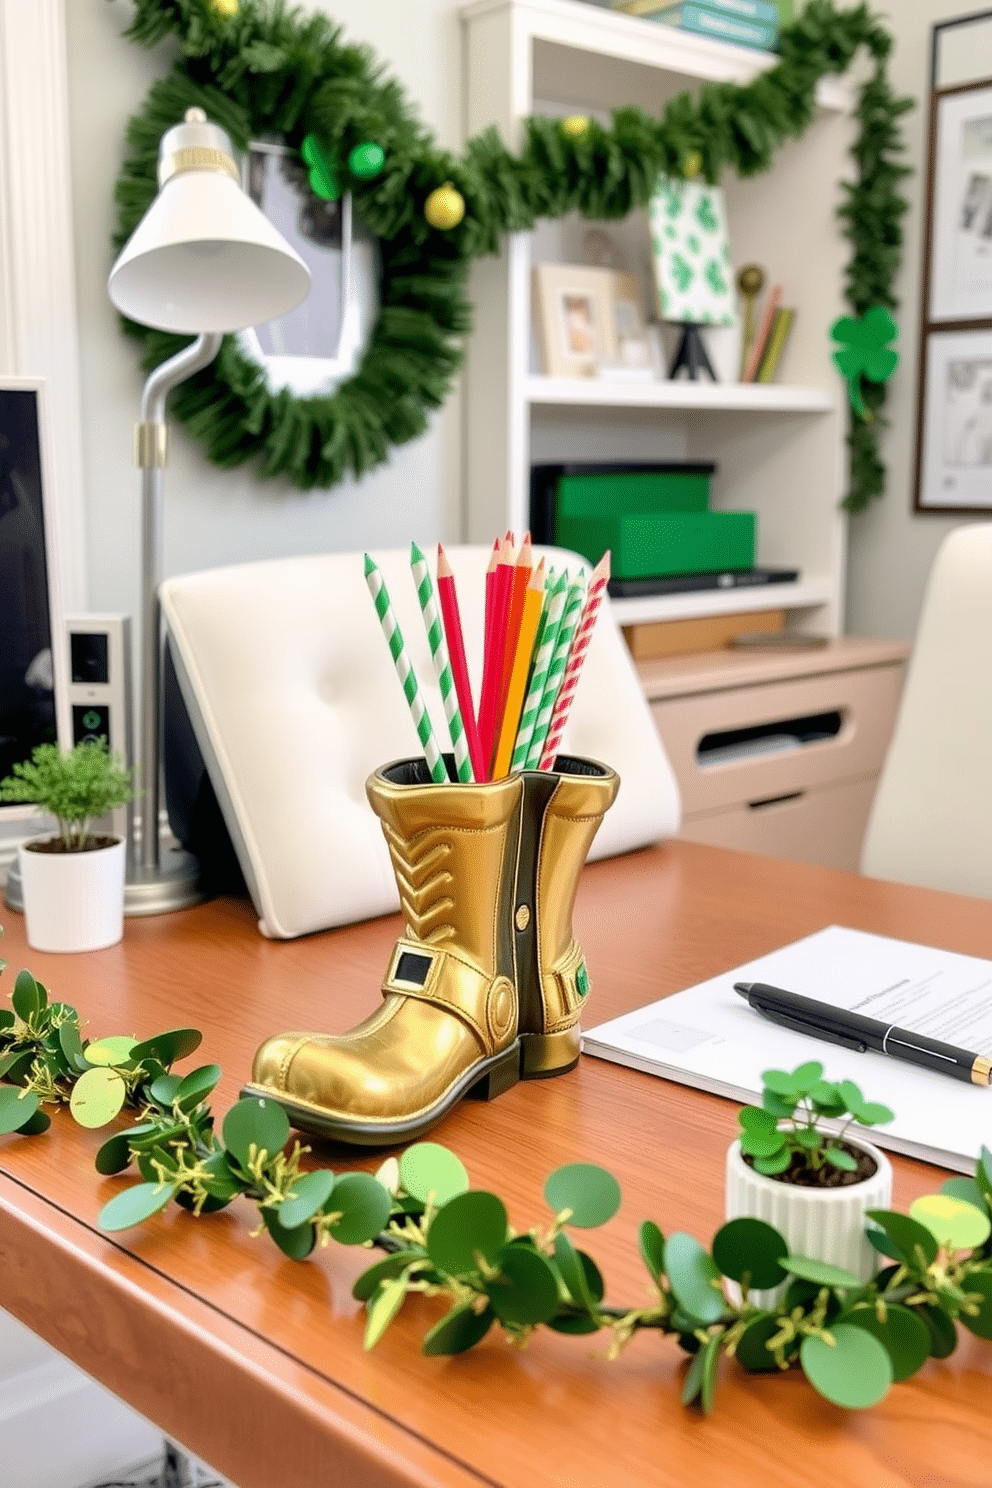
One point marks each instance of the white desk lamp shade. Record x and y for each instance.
(204, 257)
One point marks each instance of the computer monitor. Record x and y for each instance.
(33, 682)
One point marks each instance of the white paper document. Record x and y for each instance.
(708, 1036)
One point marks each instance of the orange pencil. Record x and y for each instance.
(529, 621)
(451, 617)
(493, 656)
(521, 578)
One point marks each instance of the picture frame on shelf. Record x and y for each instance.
(954, 443)
(573, 311)
(632, 357)
(958, 266)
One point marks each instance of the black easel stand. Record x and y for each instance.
(691, 355)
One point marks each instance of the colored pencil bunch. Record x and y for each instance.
(538, 625)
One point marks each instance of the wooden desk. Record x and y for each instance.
(256, 1362)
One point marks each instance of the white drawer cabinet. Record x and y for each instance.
(779, 752)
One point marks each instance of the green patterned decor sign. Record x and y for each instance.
(693, 276)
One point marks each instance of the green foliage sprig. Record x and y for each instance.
(272, 70)
(75, 787)
(441, 1238)
(785, 1131)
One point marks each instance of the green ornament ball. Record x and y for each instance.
(366, 160)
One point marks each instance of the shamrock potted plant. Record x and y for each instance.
(799, 1165)
(73, 882)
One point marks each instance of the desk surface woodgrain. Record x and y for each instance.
(256, 1362)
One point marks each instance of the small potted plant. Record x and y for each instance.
(72, 883)
(799, 1166)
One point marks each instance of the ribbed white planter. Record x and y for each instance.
(73, 901)
(823, 1224)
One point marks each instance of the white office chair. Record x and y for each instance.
(294, 701)
(931, 821)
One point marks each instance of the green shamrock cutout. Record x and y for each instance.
(682, 272)
(864, 351)
(706, 215)
(323, 182)
(714, 277)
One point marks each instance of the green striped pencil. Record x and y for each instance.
(442, 663)
(556, 671)
(543, 652)
(407, 676)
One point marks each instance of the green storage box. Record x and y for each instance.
(649, 544)
(679, 488)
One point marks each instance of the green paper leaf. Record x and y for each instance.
(17, 1108)
(310, 1194)
(805, 1076)
(777, 1163)
(781, 1083)
(966, 1189)
(591, 1194)
(526, 1289)
(459, 1330)
(97, 1097)
(700, 1379)
(751, 1352)
(978, 1286)
(652, 1245)
(28, 997)
(296, 1243)
(757, 1143)
(820, 1272)
(757, 1119)
(115, 1050)
(255, 1122)
(115, 1154)
(469, 1225)
(177, 1043)
(854, 1372)
(694, 1278)
(134, 1205)
(943, 1334)
(905, 1338)
(837, 1157)
(871, 1113)
(382, 1308)
(163, 1090)
(750, 1248)
(365, 1208)
(429, 1172)
(193, 1090)
(573, 1273)
(72, 1045)
(36, 1124)
(953, 1222)
(915, 1243)
(392, 1265)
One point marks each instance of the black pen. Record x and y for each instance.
(853, 1031)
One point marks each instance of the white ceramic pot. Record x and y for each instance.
(73, 901)
(823, 1224)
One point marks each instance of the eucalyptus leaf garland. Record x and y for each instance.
(262, 68)
(443, 1239)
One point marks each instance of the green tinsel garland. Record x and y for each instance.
(269, 70)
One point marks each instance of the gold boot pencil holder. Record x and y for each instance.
(487, 985)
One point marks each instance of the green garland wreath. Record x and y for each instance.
(260, 67)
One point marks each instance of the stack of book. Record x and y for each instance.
(761, 355)
(750, 23)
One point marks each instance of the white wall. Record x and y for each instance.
(213, 516)
(891, 546)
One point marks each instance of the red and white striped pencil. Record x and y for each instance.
(598, 581)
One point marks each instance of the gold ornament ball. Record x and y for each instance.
(226, 8)
(574, 125)
(445, 207)
(692, 164)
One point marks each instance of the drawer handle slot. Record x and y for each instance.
(782, 734)
(775, 800)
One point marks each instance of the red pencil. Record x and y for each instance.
(452, 620)
(511, 631)
(598, 580)
(490, 586)
(493, 657)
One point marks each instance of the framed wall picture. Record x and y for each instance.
(961, 204)
(691, 253)
(573, 310)
(954, 415)
(955, 435)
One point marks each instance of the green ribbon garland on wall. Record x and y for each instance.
(259, 68)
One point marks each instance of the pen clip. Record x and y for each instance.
(809, 1029)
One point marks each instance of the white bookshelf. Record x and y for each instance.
(779, 448)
